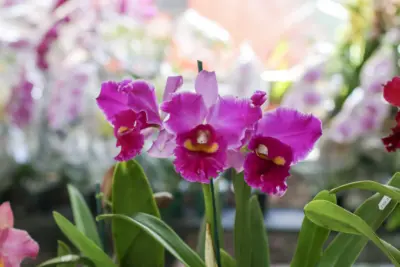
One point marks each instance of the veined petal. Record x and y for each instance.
(163, 146)
(173, 84)
(111, 101)
(199, 167)
(142, 97)
(295, 129)
(206, 85)
(269, 178)
(186, 110)
(16, 245)
(6, 216)
(231, 117)
(391, 91)
(127, 130)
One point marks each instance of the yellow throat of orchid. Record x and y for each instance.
(201, 144)
(262, 152)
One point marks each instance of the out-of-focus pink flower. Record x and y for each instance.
(140, 9)
(20, 105)
(47, 40)
(15, 244)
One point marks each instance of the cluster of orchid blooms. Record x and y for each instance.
(207, 133)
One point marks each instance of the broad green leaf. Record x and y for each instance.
(161, 233)
(64, 250)
(259, 239)
(227, 260)
(83, 218)
(132, 194)
(393, 222)
(209, 248)
(83, 243)
(311, 238)
(242, 237)
(344, 249)
(331, 216)
(68, 260)
(394, 251)
(386, 190)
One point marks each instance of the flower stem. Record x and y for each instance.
(211, 217)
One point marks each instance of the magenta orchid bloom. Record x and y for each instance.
(131, 107)
(281, 138)
(15, 245)
(205, 126)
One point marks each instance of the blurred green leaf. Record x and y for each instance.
(83, 218)
(242, 236)
(328, 215)
(162, 233)
(227, 260)
(83, 243)
(344, 250)
(68, 260)
(311, 238)
(386, 190)
(393, 222)
(259, 239)
(64, 250)
(131, 194)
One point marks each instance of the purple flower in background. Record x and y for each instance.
(20, 105)
(281, 138)
(47, 40)
(206, 125)
(141, 9)
(59, 3)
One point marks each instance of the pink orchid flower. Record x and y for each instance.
(15, 244)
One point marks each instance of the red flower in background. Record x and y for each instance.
(391, 93)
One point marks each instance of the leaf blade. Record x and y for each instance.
(163, 234)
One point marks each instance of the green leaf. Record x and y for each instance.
(161, 233)
(84, 244)
(311, 238)
(393, 222)
(83, 218)
(242, 237)
(209, 248)
(63, 250)
(386, 190)
(344, 249)
(227, 260)
(331, 216)
(68, 260)
(259, 239)
(131, 194)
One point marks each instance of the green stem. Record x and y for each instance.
(211, 216)
(100, 224)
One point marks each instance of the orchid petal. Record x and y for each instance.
(295, 129)
(206, 85)
(186, 110)
(142, 97)
(6, 216)
(163, 146)
(173, 84)
(111, 101)
(17, 245)
(231, 117)
(391, 91)
(235, 159)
